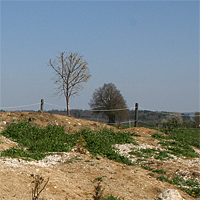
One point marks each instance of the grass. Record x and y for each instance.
(158, 171)
(190, 186)
(179, 149)
(100, 143)
(183, 139)
(179, 142)
(186, 136)
(40, 141)
(151, 153)
(36, 142)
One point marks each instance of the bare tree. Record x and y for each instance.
(109, 99)
(71, 71)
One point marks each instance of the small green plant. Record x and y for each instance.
(98, 179)
(111, 197)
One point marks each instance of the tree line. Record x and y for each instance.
(72, 71)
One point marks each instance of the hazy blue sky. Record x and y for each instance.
(148, 49)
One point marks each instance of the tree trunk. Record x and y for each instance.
(111, 118)
(68, 110)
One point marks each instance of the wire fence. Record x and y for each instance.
(96, 110)
(128, 123)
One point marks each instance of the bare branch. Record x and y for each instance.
(71, 72)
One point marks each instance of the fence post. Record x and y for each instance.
(136, 115)
(42, 104)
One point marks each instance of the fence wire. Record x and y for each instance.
(106, 110)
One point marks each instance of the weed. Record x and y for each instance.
(98, 179)
(98, 193)
(39, 186)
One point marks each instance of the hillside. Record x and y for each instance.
(73, 175)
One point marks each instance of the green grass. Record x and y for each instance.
(187, 136)
(183, 140)
(190, 186)
(101, 141)
(40, 141)
(151, 153)
(158, 171)
(179, 149)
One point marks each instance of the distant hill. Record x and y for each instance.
(146, 118)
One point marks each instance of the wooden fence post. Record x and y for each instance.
(136, 115)
(42, 104)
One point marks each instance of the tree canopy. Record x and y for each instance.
(109, 101)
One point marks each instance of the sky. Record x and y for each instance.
(148, 49)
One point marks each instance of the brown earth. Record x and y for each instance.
(72, 175)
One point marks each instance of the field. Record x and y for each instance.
(77, 155)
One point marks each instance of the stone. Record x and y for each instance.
(169, 194)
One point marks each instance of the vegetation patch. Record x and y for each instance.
(101, 142)
(183, 140)
(179, 149)
(40, 141)
(187, 136)
(158, 171)
(190, 186)
(151, 153)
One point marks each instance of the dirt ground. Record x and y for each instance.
(73, 175)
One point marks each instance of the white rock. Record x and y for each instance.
(169, 194)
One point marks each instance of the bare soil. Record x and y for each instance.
(72, 175)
